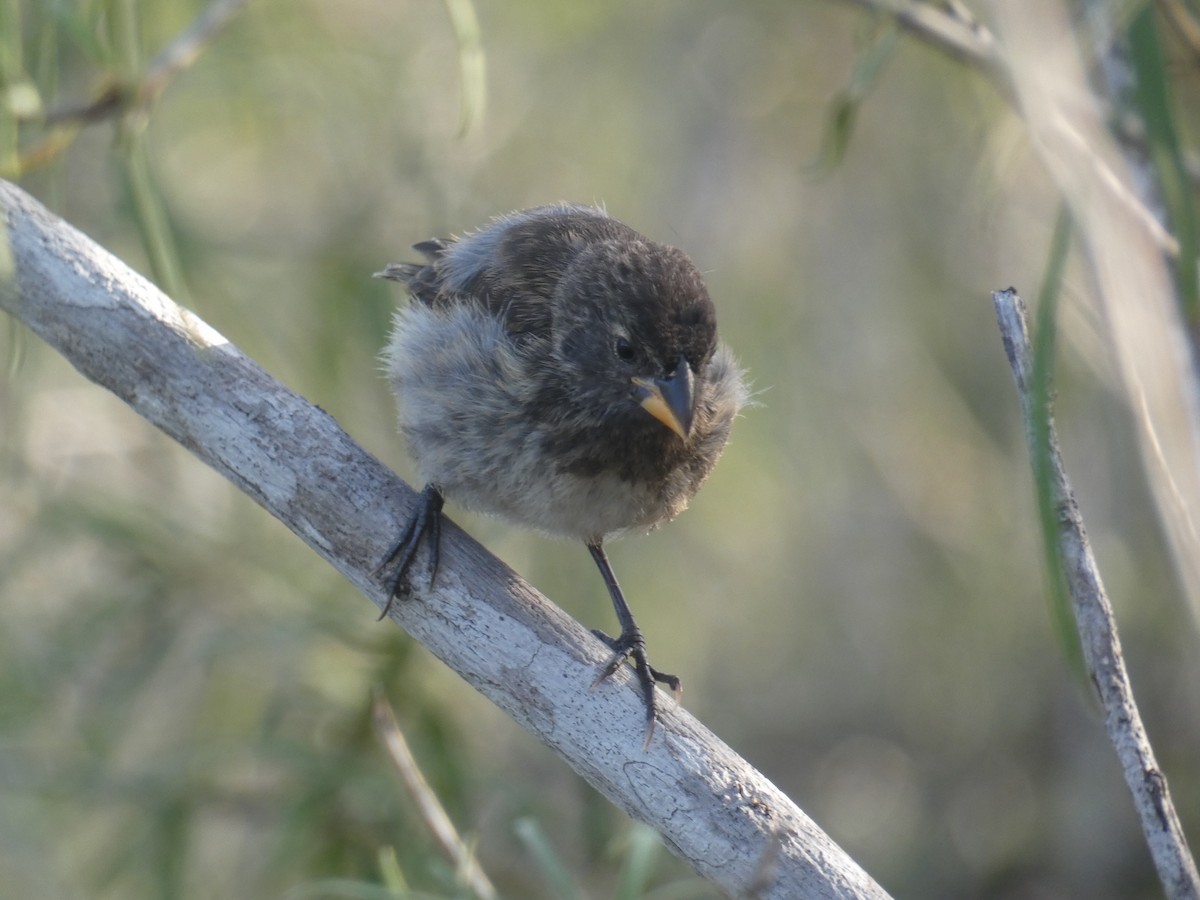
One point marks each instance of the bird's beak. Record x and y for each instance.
(671, 399)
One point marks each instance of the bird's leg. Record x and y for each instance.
(630, 644)
(425, 522)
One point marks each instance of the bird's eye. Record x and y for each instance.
(623, 349)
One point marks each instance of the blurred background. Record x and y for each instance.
(856, 602)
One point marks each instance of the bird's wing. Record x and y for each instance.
(512, 266)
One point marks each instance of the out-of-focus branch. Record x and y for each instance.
(1097, 626)
(178, 55)
(1127, 277)
(950, 27)
(507, 641)
(432, 813)
(119, 98)
(1037, 63)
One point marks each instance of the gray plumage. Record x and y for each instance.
(563, 372)
(509, 392)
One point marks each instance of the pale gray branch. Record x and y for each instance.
(1098, 631)
(522, 652)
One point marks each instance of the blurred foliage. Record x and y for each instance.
(856, 599)
(1157, 110)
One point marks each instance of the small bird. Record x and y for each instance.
(559, 370)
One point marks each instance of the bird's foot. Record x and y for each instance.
(632, 646)
(425, 523)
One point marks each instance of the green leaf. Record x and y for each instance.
(641, 856)
(843, 108)
(1152, 96)
(553, 869)
(472, 64)
(1043, 387)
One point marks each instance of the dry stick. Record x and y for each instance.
(521, 651)
(429, 807)
(1098, 629)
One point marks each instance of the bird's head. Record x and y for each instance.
(635, 328)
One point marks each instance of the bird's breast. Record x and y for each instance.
(478, 429)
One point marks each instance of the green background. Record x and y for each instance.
(856, 601)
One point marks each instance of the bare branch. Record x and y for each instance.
(1098, 631)
(518, 649)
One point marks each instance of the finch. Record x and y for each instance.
(559, 370)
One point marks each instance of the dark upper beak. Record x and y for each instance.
(671, 399)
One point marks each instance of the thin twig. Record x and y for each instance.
(1097, 627)
(432, 813)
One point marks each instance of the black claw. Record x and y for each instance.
(631, 646)
(424, 524)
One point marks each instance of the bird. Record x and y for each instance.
(558, 370)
